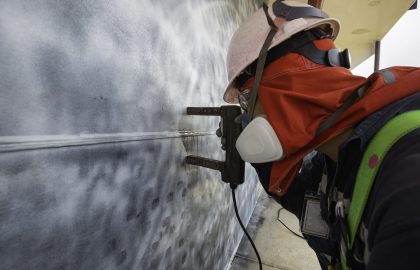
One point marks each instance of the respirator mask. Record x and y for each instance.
(258, 142)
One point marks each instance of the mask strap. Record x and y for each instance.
(261, 61)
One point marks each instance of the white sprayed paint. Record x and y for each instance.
(112, 80)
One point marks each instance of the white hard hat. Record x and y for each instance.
(290, 17)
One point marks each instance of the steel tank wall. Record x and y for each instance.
(93, 134)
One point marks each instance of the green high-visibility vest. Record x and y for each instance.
(375, 153)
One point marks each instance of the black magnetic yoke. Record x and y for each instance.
(233, 168)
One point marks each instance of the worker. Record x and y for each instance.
(315, 133)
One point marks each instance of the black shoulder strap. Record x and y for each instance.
(359, 92)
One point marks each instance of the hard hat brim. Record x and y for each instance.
(231, 92)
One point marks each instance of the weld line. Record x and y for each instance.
(23, 143)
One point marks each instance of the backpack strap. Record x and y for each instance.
(375, 153)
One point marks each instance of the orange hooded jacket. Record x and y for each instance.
(298, 96)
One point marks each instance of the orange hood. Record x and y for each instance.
(298, 95)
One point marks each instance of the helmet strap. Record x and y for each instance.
(261, 61)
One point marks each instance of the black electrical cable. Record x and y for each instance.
(278, 218)
(233, 187)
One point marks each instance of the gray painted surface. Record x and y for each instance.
(93, 135)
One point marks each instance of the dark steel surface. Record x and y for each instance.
(126, 206)
(114, 67)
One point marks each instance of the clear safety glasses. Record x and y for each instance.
(244, 97)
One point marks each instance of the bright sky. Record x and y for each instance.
(400, 46)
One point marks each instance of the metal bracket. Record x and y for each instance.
(233, 168)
